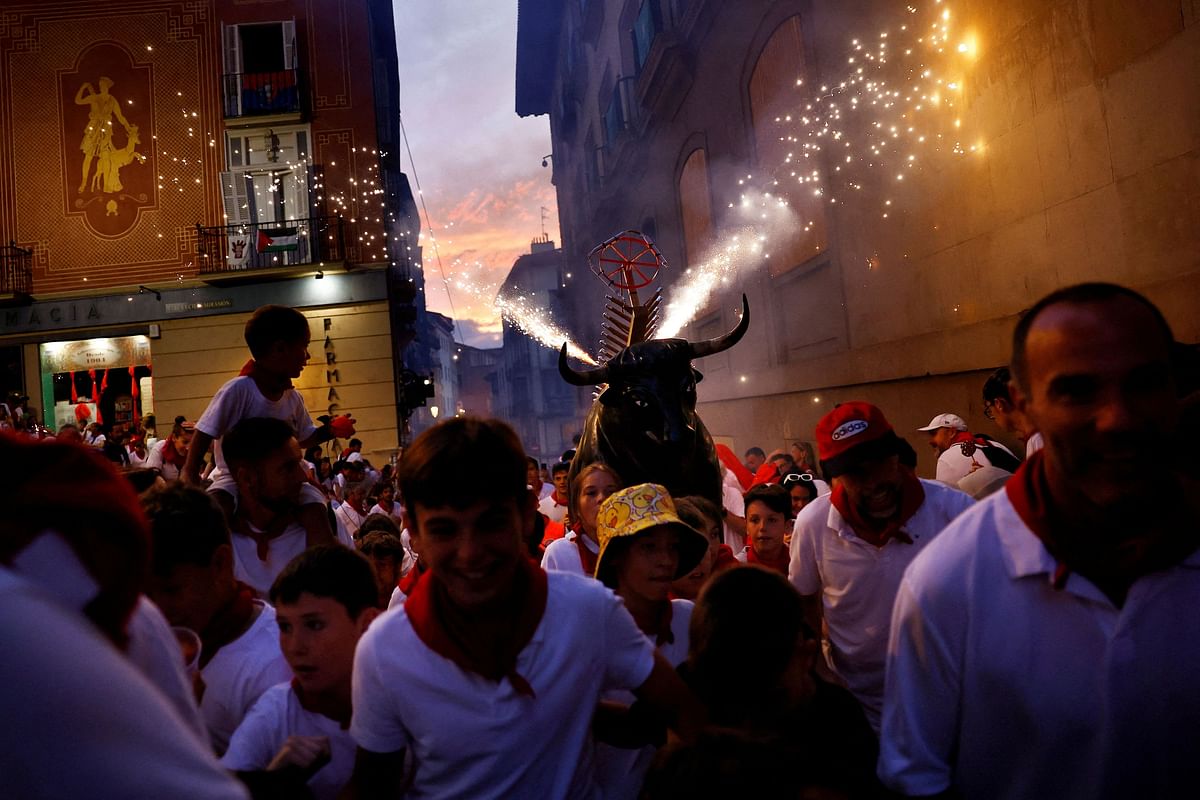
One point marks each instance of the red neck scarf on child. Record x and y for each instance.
(1112, 564)
(586, 557)
(230, 622)
(485, 641)
(877, 532)
(778, 562)
(170, 455)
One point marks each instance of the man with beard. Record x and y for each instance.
(264, 458)
(850, 547)
(1045, 645)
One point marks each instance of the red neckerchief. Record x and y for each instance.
(313, 705)
(725, 558)
(1111, 566)
(170, 455)
(586, 557)
(486, 644)
(877, 532)
(228, 623)
(960, 437)
(778, 563)
(557, 502)
(407, 583)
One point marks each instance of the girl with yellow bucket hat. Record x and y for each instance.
(644, 547)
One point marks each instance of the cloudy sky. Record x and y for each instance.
(478, 163)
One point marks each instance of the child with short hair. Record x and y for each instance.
(324, 600)
(768, 507)
(278, 338)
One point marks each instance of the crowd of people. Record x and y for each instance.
(234, 610)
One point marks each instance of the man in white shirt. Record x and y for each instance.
(192, 581)
(264, 461)
(351, 512)
(1044, 645)
(533, 476)
(850, 547)
(960, 453)
(487, 678)
(555, 505)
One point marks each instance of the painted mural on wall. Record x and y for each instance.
(108, 138)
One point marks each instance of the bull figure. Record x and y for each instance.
(644, 424)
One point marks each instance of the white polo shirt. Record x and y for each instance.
(954, 464)
(239, 674)
(472, 737)
(278, 715)
(1006, 688)
(858, 582)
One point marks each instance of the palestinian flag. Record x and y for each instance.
(276, 241)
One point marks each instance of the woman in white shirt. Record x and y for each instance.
(578, 550)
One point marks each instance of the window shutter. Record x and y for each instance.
(289, 44)
(237, 193)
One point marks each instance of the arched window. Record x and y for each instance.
(695, 206)
(774, 94)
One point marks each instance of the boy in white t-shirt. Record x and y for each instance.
(487, 678)
(278, 338)
(192, 582)
(324, 600)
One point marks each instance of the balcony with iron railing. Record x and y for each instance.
(262, 94)
(257, 250)
(16, 273)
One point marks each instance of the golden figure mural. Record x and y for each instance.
(97, 141)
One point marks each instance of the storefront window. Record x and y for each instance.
(97, 380)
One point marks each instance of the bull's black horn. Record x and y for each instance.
(576, 377)
(722, 343)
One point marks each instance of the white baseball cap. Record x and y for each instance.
(945, 421)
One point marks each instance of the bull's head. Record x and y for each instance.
(653, 385)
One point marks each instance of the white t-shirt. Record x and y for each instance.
(81, 721)
(954, 464)
(239, 674)
(240, 399)
(278, 715)
(731, 499)
(1003, 687)
(552, 508)
(546, 490)
(154, 649)
(471, 737)
(250, 569)
(350, 519)
(562, 555)
(858, 581)
(154, 459)
(620, 771)
(394, 513)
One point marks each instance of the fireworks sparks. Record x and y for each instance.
(524, 314)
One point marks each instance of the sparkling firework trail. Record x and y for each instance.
(531, 320)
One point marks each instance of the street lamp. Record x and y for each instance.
(433, 411)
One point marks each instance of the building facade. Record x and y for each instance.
(939, 177)
(166, 167)
(545, 411)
